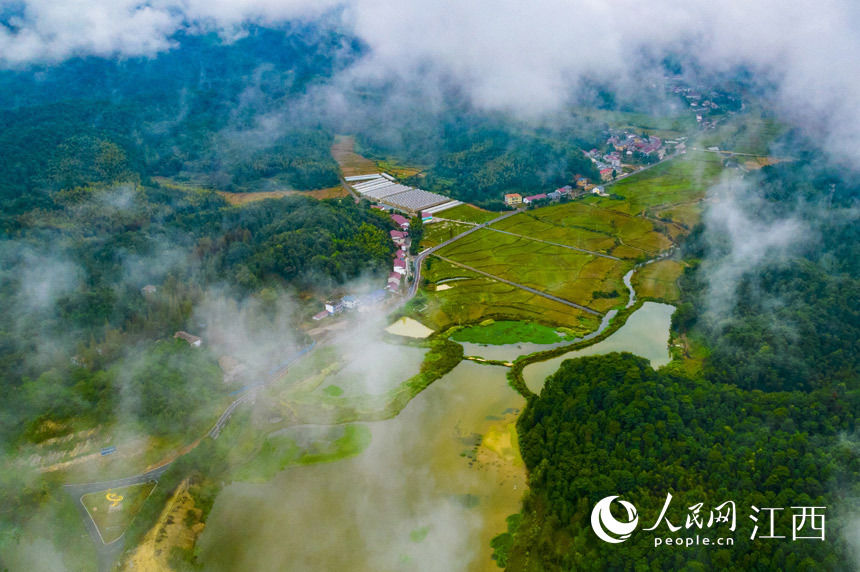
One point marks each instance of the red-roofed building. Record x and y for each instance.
(398, 236)
(401, 221)
(321, 315)
(606, 174)
(400, 266)
(534, 198)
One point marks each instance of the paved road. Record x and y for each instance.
(419, 259)
(107, 552)
(523, 287)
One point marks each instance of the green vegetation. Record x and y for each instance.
(476, 158)
(659, 280)
(751, 132)
(791, 323)
(303, 402)
(468, 213)
(596, 430)
(673, 182)
(114, 509)
(507, 332)
(566, 273)
(281, 451)
(100, 246)
(439, 231)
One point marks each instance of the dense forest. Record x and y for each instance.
(611, 425)
(770, 420)
(793, 323)
(224, 116)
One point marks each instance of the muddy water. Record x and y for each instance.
(646, 334)
(420, 497)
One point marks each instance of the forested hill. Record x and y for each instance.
(793, 322)
(72, 276)
(213, 113)
(610, 425)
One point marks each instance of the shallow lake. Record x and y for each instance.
(646, 334)
(420, 497)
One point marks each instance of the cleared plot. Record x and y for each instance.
(468, 213)
(676, 181)
(112, 510)
(659, 280)
(440, 231)
(244, 198)
(351, 163)
(565, 273)
(582, 219)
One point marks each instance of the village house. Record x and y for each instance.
(349, 302)
(512, 199)
(321, 315)
(394, 281)
(533, 198)
(606, 174)
(192, 340)
(399, 237)
(400, 221)
(333, 307)
(400, 266)
(148, 290)
(426, 216)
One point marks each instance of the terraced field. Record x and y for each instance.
(562, 272)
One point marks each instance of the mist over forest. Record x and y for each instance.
(130, 136)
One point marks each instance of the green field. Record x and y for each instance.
(666, 127)
(468, 213)
(647, 214)
(565, 273)
(676, 181)
(659, 280)
(509, 332)
(296, 446)
(585, 225)
(440, 231)
(113, 510)
(750, 132)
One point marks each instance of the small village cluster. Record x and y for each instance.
(583, 187)
(399, 272)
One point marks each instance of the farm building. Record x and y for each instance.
(400, 266)
(512, 199)
(399, 237)
(533, 198)
(321, 315)
(384, 189)
(400, 221)
(191, 339)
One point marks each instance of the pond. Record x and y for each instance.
(646, 334)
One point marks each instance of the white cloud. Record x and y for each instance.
(505, 54)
